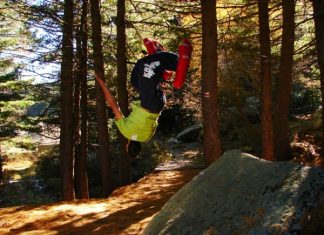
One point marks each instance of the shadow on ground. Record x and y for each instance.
(126, 211)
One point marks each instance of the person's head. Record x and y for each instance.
(133, 148)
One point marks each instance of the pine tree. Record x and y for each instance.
(266, 84)
(212, 143)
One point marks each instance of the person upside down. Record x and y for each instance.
(146, 78)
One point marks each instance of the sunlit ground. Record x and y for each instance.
(17, 167)
(126, 211)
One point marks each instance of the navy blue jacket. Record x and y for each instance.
(147, 75)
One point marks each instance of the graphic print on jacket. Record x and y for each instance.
(149, 69)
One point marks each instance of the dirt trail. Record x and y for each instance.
(126, 211)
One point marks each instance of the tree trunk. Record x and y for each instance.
(76, 119)
(66, 137)
(210, 109)
(266, 84)
(282, 140)
(2, 163)
(318, 6)
(81, 179)
(104, 150)
(124, 162)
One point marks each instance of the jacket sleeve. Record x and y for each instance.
(134, 76)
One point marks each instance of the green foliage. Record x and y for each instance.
(26, 191)
(175, 113)
(48, 171)
(29, 124)
(151, 155)
(14, 37)
(93, 173)
(17, 97)
(4, 65)
(26, 143)
(304, 100)
(7, 130)
(20, 185)
(238, 132)
(238, 78)
(23, 142)
(3, 160)
(17, 106)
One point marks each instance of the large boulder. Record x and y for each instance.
(241, 194)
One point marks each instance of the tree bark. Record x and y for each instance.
(76, 114)
(318, 6)
(104, 149)
(66, 136)
(282, 138)
(210, 109)
(81, 151)
(124, 162)
(266, 84)
(2, 163)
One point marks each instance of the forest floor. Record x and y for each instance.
(126, 211)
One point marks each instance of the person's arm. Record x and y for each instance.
(110, 99)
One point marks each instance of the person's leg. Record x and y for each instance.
(133, 148)
(185, 50)
(110, 99)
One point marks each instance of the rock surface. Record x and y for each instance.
(190, 134)
(37, 109)
(241, 194)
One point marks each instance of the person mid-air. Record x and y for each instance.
(146, 78)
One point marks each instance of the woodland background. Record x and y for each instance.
(254, 82)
